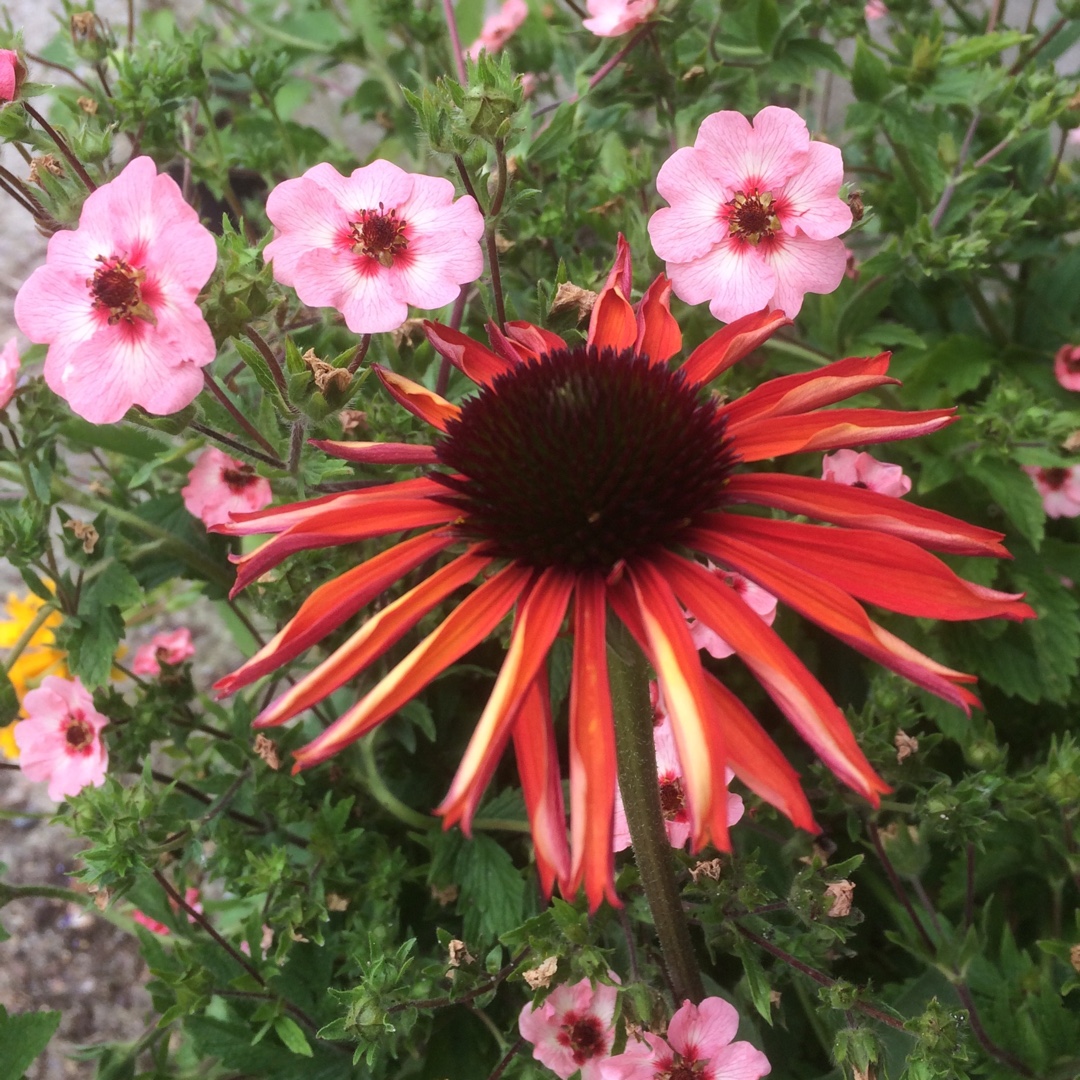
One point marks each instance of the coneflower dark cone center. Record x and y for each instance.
(583, 458)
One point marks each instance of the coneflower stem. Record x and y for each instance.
(632, 708)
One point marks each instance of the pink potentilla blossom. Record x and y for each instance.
(756, 598)
(573, 1029)
(670, 776)
(9, 371)
(1059, 488)
(875, 9)
(219, 484)
(12, 74)
(610, 18)
(499, 28)
(698, 1045)
(115, 300)
(173, 647)
(60, 740)
(755, 217)
(1067, 366)
(373, 243)
(865, 471)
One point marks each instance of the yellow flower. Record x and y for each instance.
(8, 749)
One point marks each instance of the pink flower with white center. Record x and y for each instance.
(172, 647)
(219, 484)
(372, 243)
(1059, 488)
(865, 471)
(115, 300)
(610, 18)
(755, 217)
(670, 776)
(698, 1046)
(1067, 366)
(573, 1029)
(756, 598)
(60, 739)
(875, 9)
(499, 28)
(12, 74)
(9, 371)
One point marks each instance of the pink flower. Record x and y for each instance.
(573, 1029)
(875, 9)
(1059, 488)
(12, 74)
(499, 28)
(9, 371)
(754, 218)
(698, 1045)
(219, 484)
(756, 598)
(60, 740)
(173, 647)
(610, 18)
(1067, 366)
(864, 471)
(115, 300)
(373, 243)
(670, 776)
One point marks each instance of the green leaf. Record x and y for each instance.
(23, 1036)
(817, 55)
(972, 50)
(492, 898)
(768, 24)
(1014, 492)
(260, 369)
(556, 137)
(869, 74)
(756, 982)
(289, 1032)
(9, 703)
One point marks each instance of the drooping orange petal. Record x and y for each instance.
(419, 400)
(882, 570)
(342, 526)
(658, 334)
(756, 760)
(539, 617)
(382, 630)
(378, 453)
(858, 507)
(811, 390)
(798, 694)
(463, 629)
(833, 609)
(541, 783)
(466, 354)
(535, 338)
(728, 346)
(621, 275)
(831, 429)
(613, 324)
(698, 738)
(334, 602)
(592, 750)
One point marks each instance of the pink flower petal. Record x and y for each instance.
(810, 196)
(733, 277)
(764, 156)
(692, 224)
(702, 1031)
(802, 265)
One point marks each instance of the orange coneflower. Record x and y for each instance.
(580, 482)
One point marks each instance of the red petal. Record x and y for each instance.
(334, 602)
(834, 610)
(541, 782)
(382, 630)
(798, 694)
(613, 323)
(622, 272)
(419, 400)
(467, 355)
(843, 505)
(831, 429)
(463, 629)
(659, 337)
(534, 338)
(378, 453)
(756, 760)
(511, 351)
(341, 526)
(539, 618)
(730, 345)
(882, 570)
(801, 393)
(592, 750)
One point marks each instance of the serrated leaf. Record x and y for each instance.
(289, 1032)
(256, 362)
(1014, 492)
(756, 982)
(973, 49)
(23, 1036)
(492, 898)
(869, 74)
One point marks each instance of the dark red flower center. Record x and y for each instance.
(671, 798)
(752, 217)
(584, 458)
(1054, 478)
(380, 235)
(117, 288)
(78, 734)
(239, 477)
(683, 1070)
(583, 1035)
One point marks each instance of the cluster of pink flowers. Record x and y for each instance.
(574, 1030)
(219, 485)
(171, 647)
